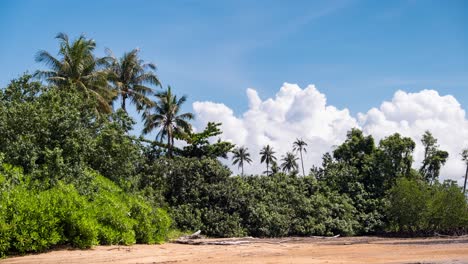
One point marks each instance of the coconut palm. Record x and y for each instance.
(289, 162)
(299, 146)
(267, 156)
(274, 168)
(131, 77)
(465, 159)
(77, 67)
(165, 115)
(240, 156)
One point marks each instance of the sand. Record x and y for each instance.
(286, 250)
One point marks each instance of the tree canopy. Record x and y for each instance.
(72, 171)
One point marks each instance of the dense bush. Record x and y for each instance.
(416, 207)
(448, 209)
(34, 219)
(203, 196)
(338, 199)
(55, 134)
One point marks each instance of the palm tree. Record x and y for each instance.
(289, 162)
(267, 155)
(130, 77)
(166, 117)
(78, 68)
(299, 146)
(241, 155)
(465, 159)
(274, 168)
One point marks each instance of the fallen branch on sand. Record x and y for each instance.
(197, 239)
(222, 242)
(326, 237)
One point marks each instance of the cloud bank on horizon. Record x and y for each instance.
(304, 113)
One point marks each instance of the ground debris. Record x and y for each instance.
(199, 240)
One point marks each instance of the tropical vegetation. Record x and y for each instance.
(73, 172)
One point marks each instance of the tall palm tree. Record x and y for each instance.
(465, 159)
(289, 162)
(240, 156)
(165, 116)
(77, 67)
(131, 77)
(299, 146)
(267, 155)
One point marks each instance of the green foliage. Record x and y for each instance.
(395, 156)
(34, 225)
(408, 204)
(203, 196)
(116, 155)
(448, 209)
(70, 173)
(129, 77)
(38, 132)
(417, 207)
(289, 163)
(165, 115)
(56, 134)
(199, 145)
(77, 68)
(267, 155)
(186, 217)
(219, 223)
(285, 206)
(434, 158)
(357, 150)
(239, 156)
(124, 218)
(21, 90)
(33, 219)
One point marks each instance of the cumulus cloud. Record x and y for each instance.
(410, 114)
(304, 113)
(292, 113)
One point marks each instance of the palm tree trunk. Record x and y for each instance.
(169, 148)
(172, 146)
(267, 167)
(124, 97)
(466, 176)
(302, 162)
(242, 169)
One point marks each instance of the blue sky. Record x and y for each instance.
(358, 53)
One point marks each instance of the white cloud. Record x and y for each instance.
(293, 113)
(410, 114)
(304, 113)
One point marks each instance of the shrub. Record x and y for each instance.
(124, 218)
(417, 207)
(408, 206)
(34, 220)
(34, 225)
(187, 217)
(221, 224)
(202, 196)
(447, 209)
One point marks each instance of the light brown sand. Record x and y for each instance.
(292, 250)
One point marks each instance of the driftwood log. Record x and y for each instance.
(197, 239)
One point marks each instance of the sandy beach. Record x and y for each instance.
(281, 250)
